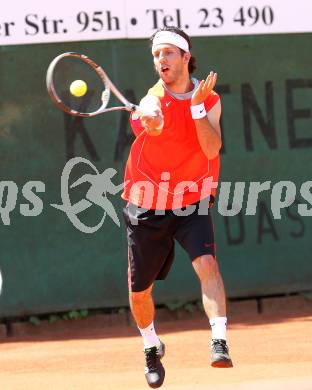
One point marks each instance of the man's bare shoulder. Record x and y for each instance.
(157, 90)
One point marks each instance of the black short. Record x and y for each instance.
(151, 241)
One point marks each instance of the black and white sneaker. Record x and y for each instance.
(154, 370)
(161, 349)
(220, 354)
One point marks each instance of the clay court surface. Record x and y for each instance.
(272, 350)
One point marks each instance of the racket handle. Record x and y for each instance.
(140, 111)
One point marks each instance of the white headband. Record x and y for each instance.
(172, 38)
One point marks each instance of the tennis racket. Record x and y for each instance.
(69, 67)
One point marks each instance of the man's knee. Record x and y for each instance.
(206, 267)
(141, 296)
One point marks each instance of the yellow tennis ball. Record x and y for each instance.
(78, 88)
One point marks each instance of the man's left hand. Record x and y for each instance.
(204, 88)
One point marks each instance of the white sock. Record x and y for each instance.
(218, 327)
(150, 337)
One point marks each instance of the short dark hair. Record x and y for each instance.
(177, 30)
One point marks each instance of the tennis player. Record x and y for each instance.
(172, 162)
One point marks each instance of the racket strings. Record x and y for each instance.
(69, 69)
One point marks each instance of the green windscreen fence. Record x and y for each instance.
(48, 265)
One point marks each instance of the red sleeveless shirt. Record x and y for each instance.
(170, 171)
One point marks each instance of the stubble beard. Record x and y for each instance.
(176, 74)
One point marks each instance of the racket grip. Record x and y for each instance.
(138, 112)
(142, 111)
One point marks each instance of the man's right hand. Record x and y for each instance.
(153, 125)
(151, 116)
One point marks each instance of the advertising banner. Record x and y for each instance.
(35, 21)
